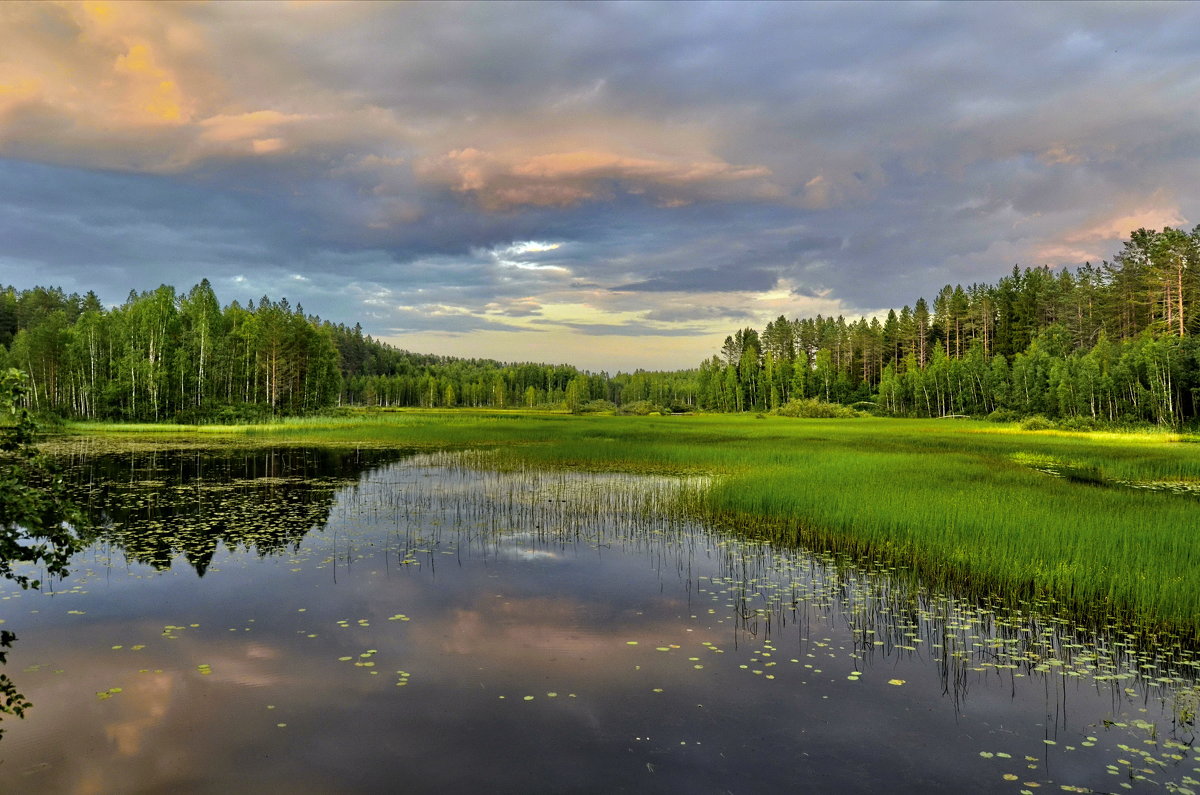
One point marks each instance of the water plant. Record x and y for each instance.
(959, 504)
(554, 592)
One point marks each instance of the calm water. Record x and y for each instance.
(325, 621)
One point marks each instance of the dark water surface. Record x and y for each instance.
(340, 621)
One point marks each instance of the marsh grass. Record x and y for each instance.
(958, 504)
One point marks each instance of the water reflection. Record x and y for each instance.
(159, 505)
(419, 622)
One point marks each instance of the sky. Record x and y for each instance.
(613, 185)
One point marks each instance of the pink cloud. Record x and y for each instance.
(1095, 239)
(503, 180)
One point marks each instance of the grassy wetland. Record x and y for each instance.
(1098, 522)
(516, 601)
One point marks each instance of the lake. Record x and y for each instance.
(342, 620)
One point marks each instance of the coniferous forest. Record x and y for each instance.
(1114, 343)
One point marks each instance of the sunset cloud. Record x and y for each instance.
(501, 181)
(114, 63)
(465, 170)
(1100, 236)
(225, 128)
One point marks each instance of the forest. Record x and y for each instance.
(183, 357)
(1114, 343)
(1109, 344)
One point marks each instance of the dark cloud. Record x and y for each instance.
(398, 322)
(706, 280)
(806, 292)
(691, 313)
(460, 168)
(634, 330)
(806, 244)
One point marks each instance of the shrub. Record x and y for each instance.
(1080, 424)
(1037, 423)
(1003, 415)
(597, 407)
(816, 409)
(641, 408)
(233, 414)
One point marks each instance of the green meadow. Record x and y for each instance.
(1100, 526)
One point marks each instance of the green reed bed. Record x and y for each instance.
(960, 503)
(958, 521)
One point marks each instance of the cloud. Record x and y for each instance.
(1060, 154)
(706, 280)
(465, 170)
(503, 181)
(634, 329)
(691, 312)
(1098, 237)
(89, 82)
(240, 127)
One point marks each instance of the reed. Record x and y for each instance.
(959, 503)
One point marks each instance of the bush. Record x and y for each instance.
(812, 408)
(1037, 423)
(1080, 424)
(1003, 415)
(234, 414)
(597, 407)
(642, 408)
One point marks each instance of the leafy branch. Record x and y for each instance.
(39, 523)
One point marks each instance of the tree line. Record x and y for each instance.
(163, 355)
(1116, 342)
(1110, 343)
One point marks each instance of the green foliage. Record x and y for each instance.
(598, 407)
(1079, 424)
(813, 408)
(642, 408)
(163, 356)
(38, 522)
(946, 500)
(1114, 344)
(234, 414)
(1110, 344)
